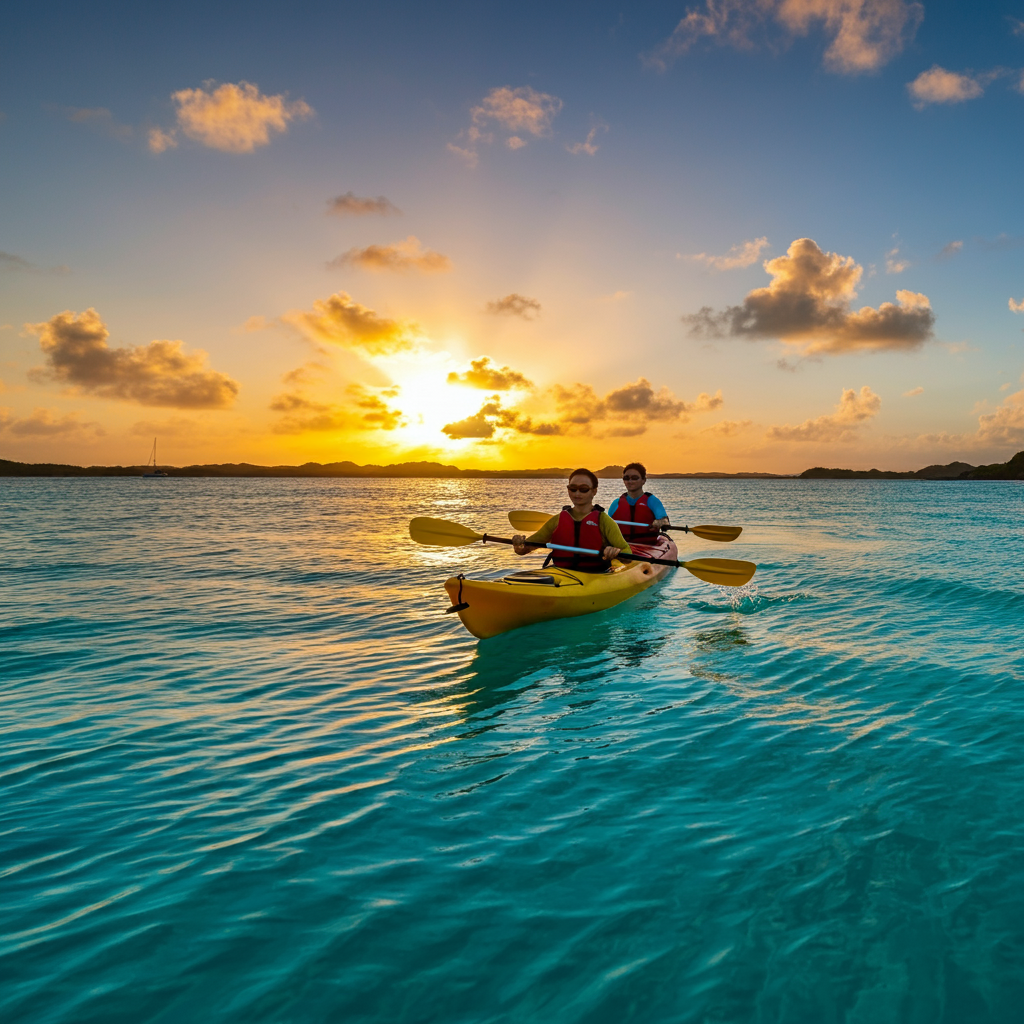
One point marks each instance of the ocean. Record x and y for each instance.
(251, 772)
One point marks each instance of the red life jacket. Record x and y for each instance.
(639, 514)
(585, 533)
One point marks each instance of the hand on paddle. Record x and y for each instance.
(520, 547)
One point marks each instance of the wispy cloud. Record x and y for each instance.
(864, 34)
(351, 205)
(47, 423)
(229, 117)
(1017, 307)
(366, 409)
(340, 320)
(406, 255)
(487, 377)
(893, 263)
(808, 305)
(11, 263)
(743, 254)
(949, 250)
(589, 146)
(937, 85)
(852, 412)
(515, 305)
(160, 373)
(100, 120)
(514, 112)
(913, 391)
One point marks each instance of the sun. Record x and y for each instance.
(428, 403)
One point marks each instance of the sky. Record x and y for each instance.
(733, 235)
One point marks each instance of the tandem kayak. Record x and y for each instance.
(490, 607)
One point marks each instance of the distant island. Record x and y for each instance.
(1012, 470)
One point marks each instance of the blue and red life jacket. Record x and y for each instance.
(583, 533)
(640, 514)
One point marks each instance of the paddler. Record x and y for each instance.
(638, 506)
(579, 525)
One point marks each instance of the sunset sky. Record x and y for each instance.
(730, 235)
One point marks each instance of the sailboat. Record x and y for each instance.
(154, 471)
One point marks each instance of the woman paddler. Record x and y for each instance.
(579, 525)
(638, 507)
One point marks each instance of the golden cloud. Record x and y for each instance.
(365, 410)
(232, 118)
(481, 374)
(352, 205)
(851, 412)
(159, 141)
(937, 85)
(398, 256)
(865, 34)
(514, 110)
(807, 305)
(515, 305)
(340, 320)
(1006, 424)
(589, 146)
(46, 423)
(160, 373)
(744, 254)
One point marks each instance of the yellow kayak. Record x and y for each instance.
(490, 607)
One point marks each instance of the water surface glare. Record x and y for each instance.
(251, 772)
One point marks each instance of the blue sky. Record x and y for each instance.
(634, 189)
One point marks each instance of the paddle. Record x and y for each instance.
(723, 572)
(531, 522)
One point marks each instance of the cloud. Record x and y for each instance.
(308, 373)
(852, 412)
(45, 423)
(937, 85)
(626, 411)
(358, 206)
(515, 305)
(728, 428)
(912, 392)
(160, 373)
(481, 374)
(807, 305)
(1006, 424)
(522, 111)
(588, 147)
(949, 250)
(365, 410)
(893, 264)
(231, 118)
(743, 254)
(253, 324)
(100, 120)
(398, 256)
(1017, 307)
(864, 34)
(12, 263)
(340, 320)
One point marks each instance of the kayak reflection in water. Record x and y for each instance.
(638, 506)
(580, 525)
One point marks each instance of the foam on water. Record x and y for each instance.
(251, 772)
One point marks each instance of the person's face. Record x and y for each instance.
(581, 490)
(634, 481)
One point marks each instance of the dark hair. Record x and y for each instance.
(584, 472)
(638, 466)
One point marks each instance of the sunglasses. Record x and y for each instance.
(579, 490)
(632, 478)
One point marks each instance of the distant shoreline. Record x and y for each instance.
(1011, 470)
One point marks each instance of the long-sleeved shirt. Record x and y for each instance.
(656, 507)
(611, 533)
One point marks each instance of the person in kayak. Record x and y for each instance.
(638, 507)
(580, 525)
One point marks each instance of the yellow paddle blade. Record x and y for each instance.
(528, 522)
(723, 572)
(719, 533)
(441, 533)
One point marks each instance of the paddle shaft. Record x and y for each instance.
(586, 551)
(647, 526)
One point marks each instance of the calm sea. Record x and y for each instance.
(250, 771)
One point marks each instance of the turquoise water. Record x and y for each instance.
(251, 773)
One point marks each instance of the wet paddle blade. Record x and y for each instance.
(441, 533)
(723, 572)
(528, 522)
(719, 533)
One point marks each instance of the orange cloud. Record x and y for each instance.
(865, 34)
(46, 423)
(352, 205)
(589, 146)
(340, 320)
(365, 410)
(481, 374)
(851, 412)
(515, 305)
(1006, 424)
(231, 118)
(807, 305)
(522, 110)
(744, 254)
(160, 373)
(398, 256)
(937, 85)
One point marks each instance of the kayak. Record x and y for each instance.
(490, 607)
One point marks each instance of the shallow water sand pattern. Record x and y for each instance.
(249, 776)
